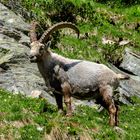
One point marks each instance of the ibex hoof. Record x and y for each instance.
(60, 112)
(69, 115)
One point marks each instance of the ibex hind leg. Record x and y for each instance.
(66, 89)
(116, 115)
(108, 103)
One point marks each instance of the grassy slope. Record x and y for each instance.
(26, 118)
(99, 25)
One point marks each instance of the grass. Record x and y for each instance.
(33, 119)
(101, 21)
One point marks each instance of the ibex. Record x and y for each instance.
(74, 78)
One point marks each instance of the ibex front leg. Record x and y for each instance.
(59, 101)
(61, 75)
(66, 89)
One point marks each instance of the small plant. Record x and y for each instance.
(30, 132)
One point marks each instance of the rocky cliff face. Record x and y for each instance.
(18, 75)
(131, 65)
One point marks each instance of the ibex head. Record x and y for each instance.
(40, 47)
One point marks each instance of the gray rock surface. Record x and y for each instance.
(10, 19)
(131, 62)
(17, 74)
(127, 88)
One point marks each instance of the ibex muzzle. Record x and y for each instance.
(36, 52)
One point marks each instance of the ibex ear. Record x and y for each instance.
(47, 45)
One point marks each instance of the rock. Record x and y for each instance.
(131, 62)
(17, 74)
(133, 25)
(35, 94)
(121, 133)
(127, 88)
(10, 32)
(10, 19)
(124, 42)
(107, 41)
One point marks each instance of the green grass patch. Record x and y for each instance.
(32, 119)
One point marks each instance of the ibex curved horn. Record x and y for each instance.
(57, 26)
(32, 34)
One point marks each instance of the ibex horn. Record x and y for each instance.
(57, 26)
(32, 34)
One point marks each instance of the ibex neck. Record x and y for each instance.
(44, 65)
(48, 61)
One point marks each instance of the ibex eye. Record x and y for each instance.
(41, 49)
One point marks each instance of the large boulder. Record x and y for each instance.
(131, 65)
(131, 62)
(9, 18)
(17, 74)
(129, 88)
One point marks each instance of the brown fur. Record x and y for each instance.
(108, 103)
